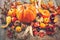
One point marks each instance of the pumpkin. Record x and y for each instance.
(12, 12)
(18, 29)
(42, 25)
(46, 20)
(26, 13)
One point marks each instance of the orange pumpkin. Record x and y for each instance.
(46, 20)
(42, 25)
(26, 13)
(12, 12)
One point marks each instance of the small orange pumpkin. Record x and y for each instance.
(26, 13)
(42, 25)
(12, 12)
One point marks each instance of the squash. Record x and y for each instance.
(46, 14)
(26, 13)
(8, 21)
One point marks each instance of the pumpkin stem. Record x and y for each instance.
(25, 7)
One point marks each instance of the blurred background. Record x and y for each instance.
(2, 2)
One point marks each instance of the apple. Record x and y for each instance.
(36, 24)
(35, 33)
(14, 19)
(42, 33)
